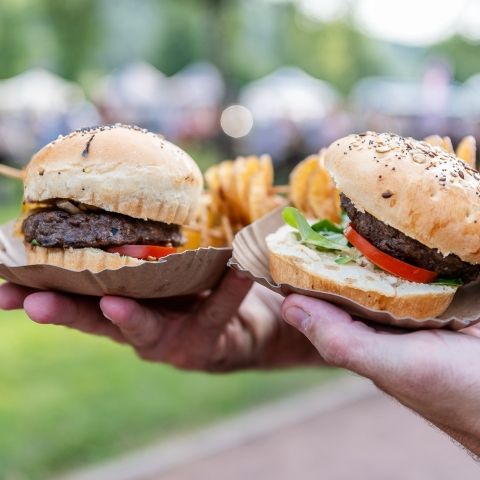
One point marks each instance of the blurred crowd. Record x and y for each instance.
(287, 113)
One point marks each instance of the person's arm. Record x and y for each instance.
(435, 373)
(236, 326)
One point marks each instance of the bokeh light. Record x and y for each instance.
(236, 121)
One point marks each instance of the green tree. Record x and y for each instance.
(181, 34)
(335, 51)
(13, 44)
(463, 55)
(73, 24)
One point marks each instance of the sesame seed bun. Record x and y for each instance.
(426, 193)
(119, 169)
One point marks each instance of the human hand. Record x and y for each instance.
(434, 372)
(214, 332)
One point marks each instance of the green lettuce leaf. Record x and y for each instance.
(325, 240)
(343, 260)
(327, 226)
(448, 282)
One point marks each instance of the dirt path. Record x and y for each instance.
(341, 431)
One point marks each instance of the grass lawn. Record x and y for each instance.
(9, 212)
(68, 400)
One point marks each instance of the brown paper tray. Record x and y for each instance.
(184, 273)
(250, 257)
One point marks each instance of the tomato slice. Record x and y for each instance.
(386, 262)
(143, 251)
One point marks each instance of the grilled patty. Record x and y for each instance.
(398, 245)
(57, 228)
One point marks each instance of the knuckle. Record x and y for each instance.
(148, 355)
(143, 337)
(186, 364)
(179, 361)
(212, 320)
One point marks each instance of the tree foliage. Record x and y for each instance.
(74, 27)
(245, 38)
(13, 39)
(463, 55)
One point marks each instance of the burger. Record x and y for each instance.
(106, 197)
(411, 231)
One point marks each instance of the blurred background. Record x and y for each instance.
(220, 78)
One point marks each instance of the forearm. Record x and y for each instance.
(470, 442)
(462, 427)
(459, 423)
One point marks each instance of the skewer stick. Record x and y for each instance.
(11, 172)
(281, 188)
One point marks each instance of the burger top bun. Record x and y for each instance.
(426, 193)
(119, 169)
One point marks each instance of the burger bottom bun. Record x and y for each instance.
(79, 259)
(302, 267)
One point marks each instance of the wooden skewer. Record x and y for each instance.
(11, 172)
(281, 188)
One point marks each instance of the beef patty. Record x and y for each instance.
(57, 228)
(398, 245)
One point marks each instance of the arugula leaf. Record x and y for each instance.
(310, 237)
(343, 260)
(448, 282)
(326, 226)
(336, 237)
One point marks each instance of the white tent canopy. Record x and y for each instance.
(35, 107)
(199, 84)
(135, 85)
(38, 90)
(289, 93)
(408, 98)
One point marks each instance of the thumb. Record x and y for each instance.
(340, 340)
(224, 302)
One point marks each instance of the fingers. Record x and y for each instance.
(219, 308)
(12, 296)
(473, 331)
(79, 313)
(141, 326)
(340, 340)
(121, 319)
